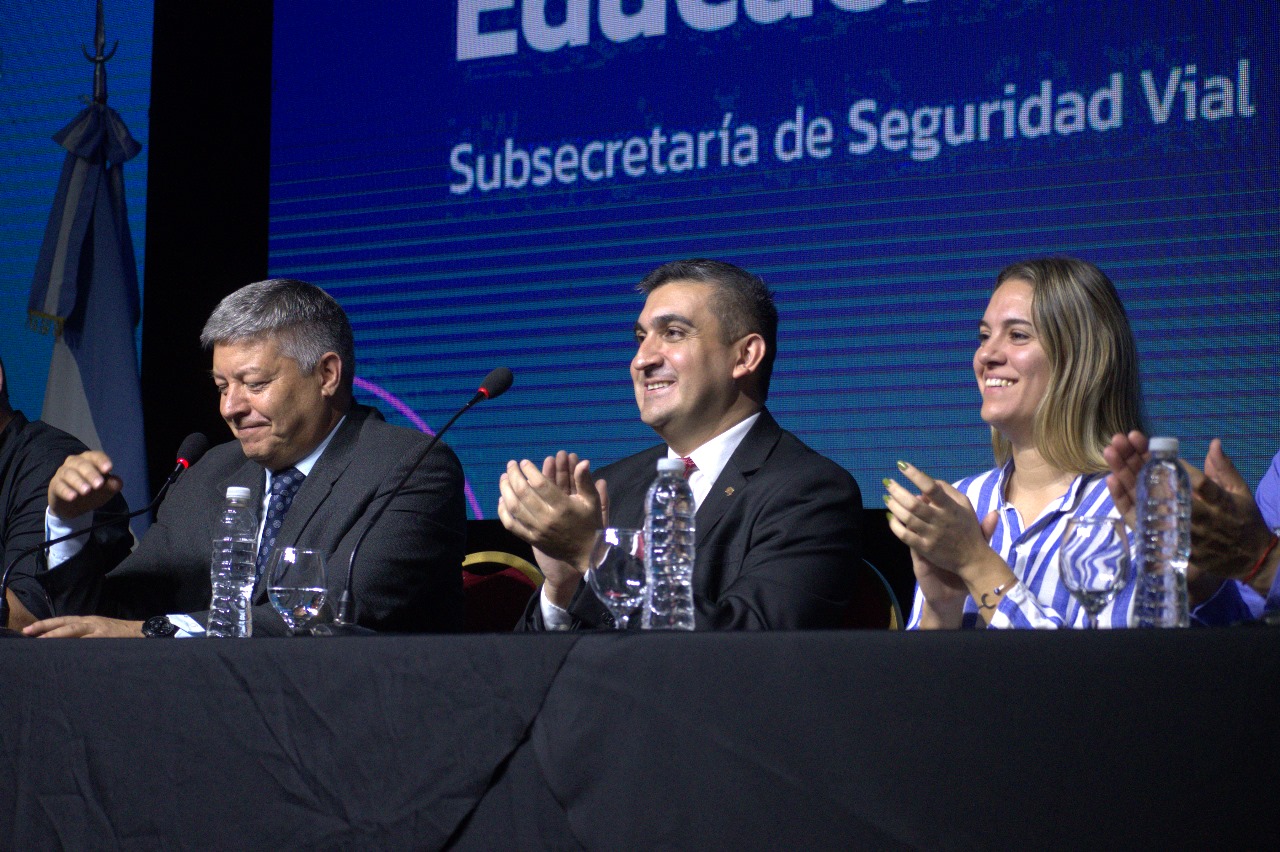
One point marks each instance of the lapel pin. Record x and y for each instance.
(728, 492)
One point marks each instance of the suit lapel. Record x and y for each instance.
(733, 481)
(316, 487)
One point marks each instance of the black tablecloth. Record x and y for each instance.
(1135, 739)
(377, 743)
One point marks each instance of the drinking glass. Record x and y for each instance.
(1093, 561)
(296, 585)
(618, 581)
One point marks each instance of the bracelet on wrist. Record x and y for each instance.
(1253, 572)
(998, 591)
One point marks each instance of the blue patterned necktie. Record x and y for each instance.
(284, 485)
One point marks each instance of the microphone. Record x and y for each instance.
(192, 448)
(494, 385)
(190, 451)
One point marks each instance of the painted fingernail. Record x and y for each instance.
(902, 465)
(887, 482)
(886, 499)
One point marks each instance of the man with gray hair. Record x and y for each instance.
(283, 364)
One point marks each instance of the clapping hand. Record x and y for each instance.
(938, 524)
(559, 510)
(1228, 533)
(950, 550)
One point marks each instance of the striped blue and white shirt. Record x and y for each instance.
(1039, 599)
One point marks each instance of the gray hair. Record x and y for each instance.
(305, 321)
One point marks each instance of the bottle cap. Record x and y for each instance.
(239, 493)
(1163, 445)
(671, 465)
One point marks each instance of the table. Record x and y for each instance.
(839, 740)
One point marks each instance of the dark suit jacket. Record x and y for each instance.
(30, 454)
(778, 536)
(408, 574)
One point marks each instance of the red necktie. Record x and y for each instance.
(689, 466)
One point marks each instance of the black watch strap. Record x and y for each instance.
(159, 627)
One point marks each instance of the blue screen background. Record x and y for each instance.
(881, 263)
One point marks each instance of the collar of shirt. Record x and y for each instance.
(1068, 502)
(712, 456)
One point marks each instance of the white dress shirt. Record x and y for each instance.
(710, 459)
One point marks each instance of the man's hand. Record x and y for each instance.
(84, 626)
(1228, 533)
(1126, 455)
(83, 483)
(559, 510)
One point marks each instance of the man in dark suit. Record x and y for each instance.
(30, 453)
(283, 361)
(778, 526)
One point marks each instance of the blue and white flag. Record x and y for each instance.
(85, 292)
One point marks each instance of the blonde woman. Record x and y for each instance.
(1057, 368)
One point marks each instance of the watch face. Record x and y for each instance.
(158, 627)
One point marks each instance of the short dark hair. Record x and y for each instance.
(740, 301)
(306, 320)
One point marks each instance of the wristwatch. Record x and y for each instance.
(159, 627)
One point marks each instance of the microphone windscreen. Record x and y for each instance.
(193, 447)
(497, 383)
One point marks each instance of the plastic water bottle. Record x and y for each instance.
(668, 553)
(1164, 539)
(233, 571)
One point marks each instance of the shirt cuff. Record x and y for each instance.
(1233, 602)
(187, 626)
(553, 617)
(1018, 608)
(1272, 602)
(55, 527)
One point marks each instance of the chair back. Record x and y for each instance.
(498, 578)
(873, 606)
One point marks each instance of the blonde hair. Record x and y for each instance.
(1094, 390)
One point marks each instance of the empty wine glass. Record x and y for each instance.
(1093, 561)
(296, 585)
(618, 576)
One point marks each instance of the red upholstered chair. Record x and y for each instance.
(498, 577)
(497, 586)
